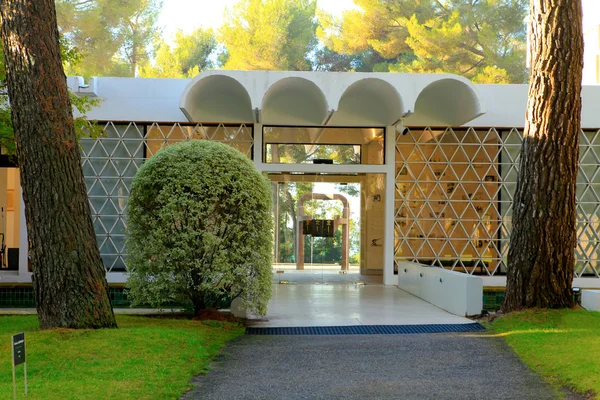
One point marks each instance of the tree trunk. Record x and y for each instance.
(541, 257)
(68, 275)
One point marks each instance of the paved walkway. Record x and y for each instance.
(127, 311)
(422, 366)
(349, 304)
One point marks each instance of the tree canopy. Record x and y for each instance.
(113, 36)
(189, 55)
(270, 34)
(82, 104)
(483, 40)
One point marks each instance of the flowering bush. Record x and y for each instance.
(199, 229)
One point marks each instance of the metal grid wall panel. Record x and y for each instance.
(453, 199)
(110, 163)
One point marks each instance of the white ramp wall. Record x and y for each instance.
(458, 293)
(590, 300)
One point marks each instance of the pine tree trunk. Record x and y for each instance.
(68, 275)
(541, 257)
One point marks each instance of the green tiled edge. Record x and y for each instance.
(492, 299)
(23, 297)
(16, 297)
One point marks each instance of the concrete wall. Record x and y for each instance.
(455, 292)
(373, 214)
(138, 99)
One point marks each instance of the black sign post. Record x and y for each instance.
(18, 352)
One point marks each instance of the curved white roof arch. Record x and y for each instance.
(331, 98)
(447, 102)
(216, 98)
(369, 102)
(294, 101)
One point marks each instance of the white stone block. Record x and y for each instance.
(590, 300)
(237, 310)
(458, 293)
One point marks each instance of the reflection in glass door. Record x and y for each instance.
(317, 227)
(320, 236)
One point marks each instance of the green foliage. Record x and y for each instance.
(83, 105)
(146, 358)
(483, 41)
(194, 50)
(113, 36)
(138, 30)
(270, 35)
(90, 27)
(189, 56)
(199, 228)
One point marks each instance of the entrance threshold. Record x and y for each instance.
(308, 305)
(368, 329)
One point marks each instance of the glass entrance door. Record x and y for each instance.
(317, 227)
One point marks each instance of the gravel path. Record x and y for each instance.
(422, 366)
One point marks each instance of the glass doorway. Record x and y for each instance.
(322, 225)
(10, 218)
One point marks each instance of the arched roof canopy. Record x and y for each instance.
(294, 101)
(369, 102)
(448, 102)
(216, 98)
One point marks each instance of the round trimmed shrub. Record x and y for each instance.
(199, 229)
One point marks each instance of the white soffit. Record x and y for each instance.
(294, 101)
(447, 102)
(369, 102)
(216, 98)
(330, 98)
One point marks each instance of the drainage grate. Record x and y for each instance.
(366, 329)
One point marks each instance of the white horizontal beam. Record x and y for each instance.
(323, 168)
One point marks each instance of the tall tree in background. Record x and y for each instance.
(483, 40)
(269, 35)
(83, 104)
(137, 30)
(68, 275)
(541, 257)
(90, 27)
(190, 55)
(112, 36)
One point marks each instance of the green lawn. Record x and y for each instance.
(562, 345)
(146, 358)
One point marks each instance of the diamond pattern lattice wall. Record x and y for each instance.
(110, 163)
(454, 191)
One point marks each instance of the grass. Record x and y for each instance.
(561, 345)
(146, 358)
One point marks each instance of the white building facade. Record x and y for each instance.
(437, 159)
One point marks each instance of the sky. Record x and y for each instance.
(591, 10)
(188, 15)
